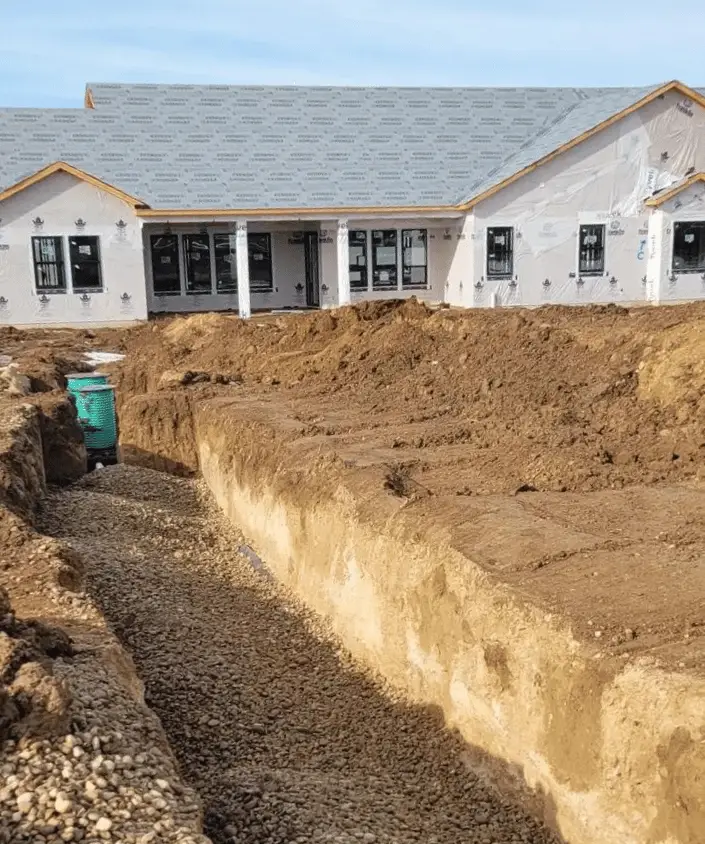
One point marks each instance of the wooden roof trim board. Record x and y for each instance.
(669, 193)
(307, 212)
(63, 167)
(674, 85)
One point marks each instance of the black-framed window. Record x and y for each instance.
(384, 259)
(49, 270)
(259, 247)
(591, 250)
(357, 246)
(689, 247)
(197, 262)
(164, 249)
(84, 257)
(414, 258)
(225, 263)
(500, 252)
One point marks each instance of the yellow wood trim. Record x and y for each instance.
(88, 98)
(655, 201)
(277, 212)
(675, 85)
(63, 167)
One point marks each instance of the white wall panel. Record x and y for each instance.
(687, 206)
(58, 202)
(605, 180)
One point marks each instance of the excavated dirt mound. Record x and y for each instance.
(469, 401)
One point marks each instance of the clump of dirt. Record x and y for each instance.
(672, 370)
(32, 700)
(557, 398)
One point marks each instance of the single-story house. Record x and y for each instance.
(179, 198)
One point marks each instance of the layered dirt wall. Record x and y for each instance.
(616, 745)
(22, 477)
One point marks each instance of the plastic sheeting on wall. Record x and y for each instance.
(603, 180)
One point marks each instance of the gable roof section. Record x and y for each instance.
(63, 167)
(593, 115)
(664, 195)
(267, 149)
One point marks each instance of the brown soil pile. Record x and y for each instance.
(556, 398)
(47, 355)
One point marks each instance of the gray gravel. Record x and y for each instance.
(111, 779)
(286, 740)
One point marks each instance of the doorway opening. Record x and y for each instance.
(313, 277)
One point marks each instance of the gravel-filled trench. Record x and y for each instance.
(285, 739)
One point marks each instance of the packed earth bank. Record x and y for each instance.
(513, 510)
(544, 465)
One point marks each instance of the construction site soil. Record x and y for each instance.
(591, 420)
(584, 427)
(562, 449)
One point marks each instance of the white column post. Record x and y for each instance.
(343, 264)
(243, 269)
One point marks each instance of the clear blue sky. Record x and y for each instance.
(50, 49)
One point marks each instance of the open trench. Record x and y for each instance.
(283, 736)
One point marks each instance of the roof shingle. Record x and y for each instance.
(245, 147)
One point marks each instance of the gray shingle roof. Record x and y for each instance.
(180, 146)
(576, 120)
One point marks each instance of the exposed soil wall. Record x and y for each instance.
(616, 747)
(500, 511)
(22, 478)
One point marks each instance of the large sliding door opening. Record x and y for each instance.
(225, 263)
(260, 261)
(384, 260)
(207, 263)
(414, 273)
(357, 244)
(390, 267)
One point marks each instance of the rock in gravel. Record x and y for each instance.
(62, 803)
(285, 738)
(24, 802)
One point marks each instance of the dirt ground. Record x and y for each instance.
(470, 403)
(476, 402)
(578, 433)
(562, 448)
